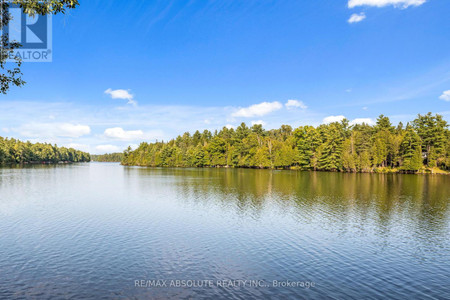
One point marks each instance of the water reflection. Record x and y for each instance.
(423, 198)
(390, 206)
(90, 230)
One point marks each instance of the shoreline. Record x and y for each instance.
(428, 171)
(42, 163)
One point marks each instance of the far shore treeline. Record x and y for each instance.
(109, 157)
(421, 145)
(13, 151)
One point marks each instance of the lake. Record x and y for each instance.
(104, 231)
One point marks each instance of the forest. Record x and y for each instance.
(422, 145)
(109, 157)
(13, 151)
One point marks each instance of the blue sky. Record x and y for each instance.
(130, 71)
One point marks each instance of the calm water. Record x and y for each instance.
(89, 231)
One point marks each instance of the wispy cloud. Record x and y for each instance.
(381, 3)
(258, 110)
(290, 104)
(52, 130)
(356, 18)
(426, 85)
(121, 94)
(445, 96)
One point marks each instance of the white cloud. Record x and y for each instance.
(70, 130)
(121, 94)
(381, 3)
(445, 96)
(258, 110)
(332, 119)
(259, 122)
(118, 133)
(355, 18)
(368, 121)
(125, 135)
(107, 149)
(365, 108)
(48, 130)
(229, 126)
(290, 104)
(82, 147)
(28, 117)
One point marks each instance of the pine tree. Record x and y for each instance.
(333, 147)
(410, 150)
(306, 140)
(432, 131)
(333, 138)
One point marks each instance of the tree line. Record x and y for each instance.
(423, 144)
(109, 157)
(13, 151)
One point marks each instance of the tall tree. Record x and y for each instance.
(410, 150)
(432, 131)
(307, 140)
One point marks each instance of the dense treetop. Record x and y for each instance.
(13, 151)
(422, 144)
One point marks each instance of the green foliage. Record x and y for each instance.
(11, 73)
(328, 147)
(13, 151)
(333, 136)
(434, 135)
(306, 140)
(109, 157)
(410, 150)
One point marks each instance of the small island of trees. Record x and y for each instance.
(421, 145)
(13, 151)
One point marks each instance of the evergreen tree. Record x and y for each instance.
(432, 131)
(331, 152)
(410, 150)
(13, 151)
(306, 140)
(331, 147)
